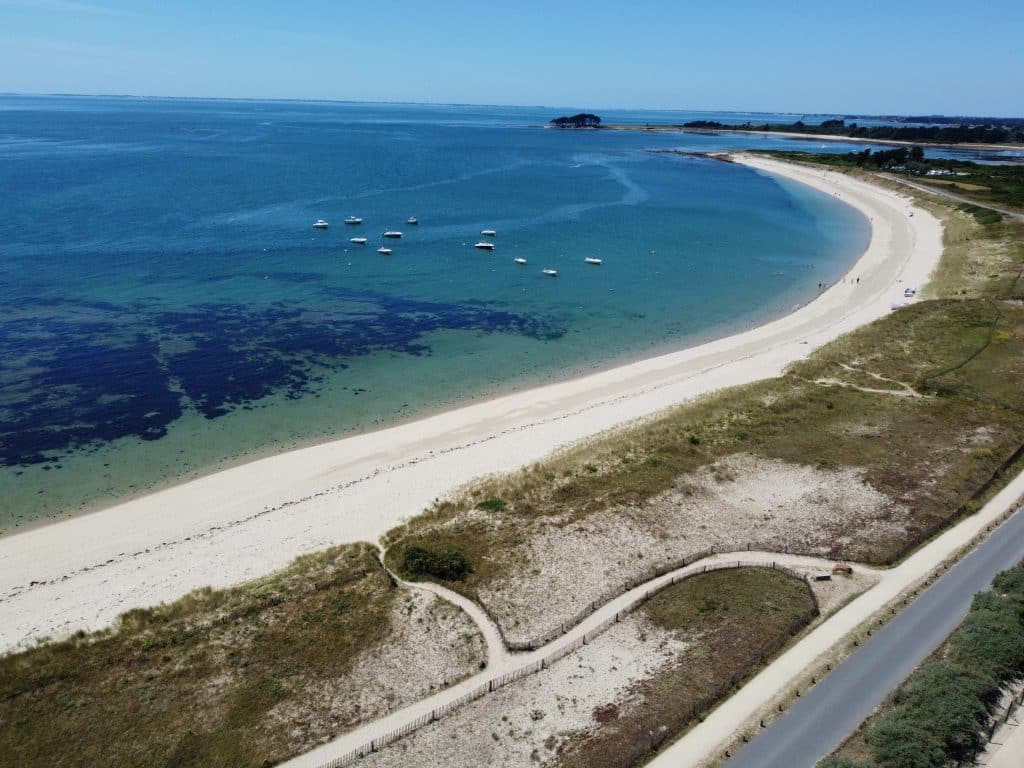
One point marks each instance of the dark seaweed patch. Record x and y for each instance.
(77, 374)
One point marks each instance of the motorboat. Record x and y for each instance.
(412, 220)
(353, 220)
(384, 251)
(550, 272)
(321, 224)
(484, 246)
(591, 260)
(488, 232)
(393, 233)
(358, 241)
(519, 260)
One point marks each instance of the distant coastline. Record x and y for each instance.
(814, 136)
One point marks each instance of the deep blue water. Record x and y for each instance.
(167, 306)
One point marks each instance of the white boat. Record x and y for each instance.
(321, 224)
(393, 233)
(412, 220)
(591, 260)
(358, 241)
(519, 260)
(488, 232)
(353, 220)
(485, 246)
(550, 272)
(384, 251)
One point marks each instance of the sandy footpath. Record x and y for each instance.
(251, 519)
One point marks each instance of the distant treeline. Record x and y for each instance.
(1000, 185)
(1006, 122)
(582, 120)
(987, 133)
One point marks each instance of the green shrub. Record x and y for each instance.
(991, 643)
(491, 505)
(940, 712)
(839, 762)
(451, 565)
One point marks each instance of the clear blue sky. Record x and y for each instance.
(904, 56)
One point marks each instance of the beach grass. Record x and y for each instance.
(216, 678)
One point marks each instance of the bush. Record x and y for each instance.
(491, 505)
(939, 713)
(450, 565)
(990, 642)
(839, 762)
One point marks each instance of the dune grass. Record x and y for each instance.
(196, 682)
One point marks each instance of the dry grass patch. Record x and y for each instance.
(239, 677)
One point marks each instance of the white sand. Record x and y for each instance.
(251, 519)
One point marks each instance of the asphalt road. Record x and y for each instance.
(824, 716)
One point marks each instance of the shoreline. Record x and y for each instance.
(815, 137)
(533, 382)
(255, 517)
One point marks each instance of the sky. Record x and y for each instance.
(899, 57)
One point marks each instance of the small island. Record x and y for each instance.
(582, 120)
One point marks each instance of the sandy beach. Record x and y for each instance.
(254, 518)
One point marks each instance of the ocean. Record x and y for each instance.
(168, 308)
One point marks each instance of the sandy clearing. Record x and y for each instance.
(764, 504)
(628, 601)
(524, 723)
(505, 729)
(251, 519)
(708, 739)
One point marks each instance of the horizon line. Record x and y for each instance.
(399, 102)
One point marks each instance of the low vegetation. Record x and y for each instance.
(730, 621)
(239, 677)
(939, 715)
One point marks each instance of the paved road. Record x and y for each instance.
(952, 196)
(829, 712)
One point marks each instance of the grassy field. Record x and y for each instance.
(218, 678)
(926, 402)
(938, 716)
(729, 618)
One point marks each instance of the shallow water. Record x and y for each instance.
(168, 308)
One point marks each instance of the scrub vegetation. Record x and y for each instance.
(238, 677)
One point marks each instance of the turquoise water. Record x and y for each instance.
(168, 307)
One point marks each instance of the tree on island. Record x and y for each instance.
(582, 120)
